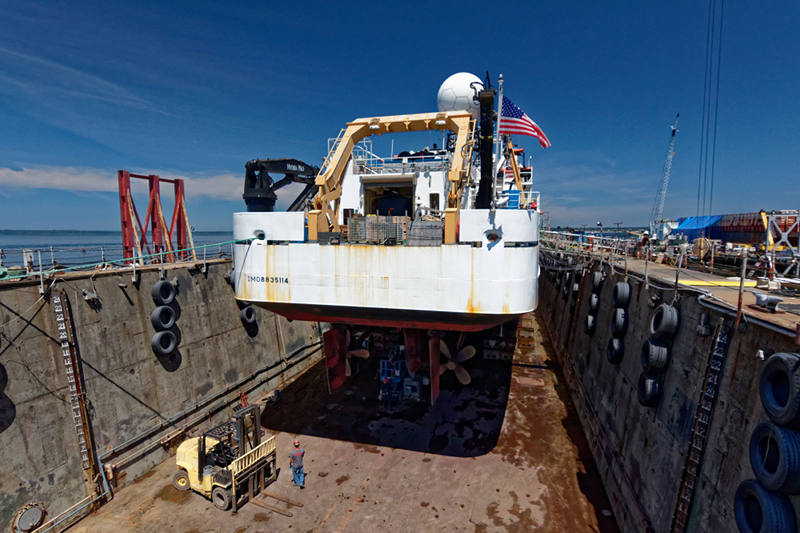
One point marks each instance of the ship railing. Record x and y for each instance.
(333, 144)
(511, 199)
(587, 243)
(365, 161)
(400, 165)
(19, 263)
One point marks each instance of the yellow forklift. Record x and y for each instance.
(228, 460)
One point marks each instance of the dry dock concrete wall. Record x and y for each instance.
(641, 451)
(139, 406)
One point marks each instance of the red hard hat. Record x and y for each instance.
(297, 443)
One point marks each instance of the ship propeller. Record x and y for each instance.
(454, 363)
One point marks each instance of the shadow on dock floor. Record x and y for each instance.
(464, 422)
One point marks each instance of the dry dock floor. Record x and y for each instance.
(506, 453)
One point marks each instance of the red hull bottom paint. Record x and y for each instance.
(389, 318)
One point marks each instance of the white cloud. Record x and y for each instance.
(220, 186)
(37, 78)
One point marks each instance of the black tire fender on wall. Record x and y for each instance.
(622, 294)
(649, 390)
(164, 343)
(615, 350)
(757, 510)
(163, 292)
(775, 457)
(655, 356)
(589, 325)
(619, 322)
(597, 280)
(779, 389)
(664, 322)
(248, 314)
(163, 317)
(594, 302)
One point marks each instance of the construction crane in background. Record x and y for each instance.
(659, 229)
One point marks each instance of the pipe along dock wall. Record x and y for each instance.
(641, 451)
(136, 402)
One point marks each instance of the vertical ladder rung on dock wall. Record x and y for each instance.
(702, 423)
(73, 376)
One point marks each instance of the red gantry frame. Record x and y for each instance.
(134, 236)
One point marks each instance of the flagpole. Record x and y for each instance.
(497, 135)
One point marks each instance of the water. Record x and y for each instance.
(71, 248)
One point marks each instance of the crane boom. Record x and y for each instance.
(658, 206)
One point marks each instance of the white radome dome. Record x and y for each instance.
(456, 93)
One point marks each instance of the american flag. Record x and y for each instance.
(514, 120)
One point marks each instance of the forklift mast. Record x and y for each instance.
(244, 428)
(248, 426)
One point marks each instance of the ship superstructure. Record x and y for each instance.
(399, 241)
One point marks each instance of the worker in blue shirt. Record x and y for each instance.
(296, 464)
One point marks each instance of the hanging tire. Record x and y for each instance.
(163, 317)
(164, 343)
(615, 350)
(619, 322)
(588, 326)
(594, 302)
(181, 480)
(664, 322)
(779, 388)
(655, 356)
(649, 390)
(163, 292)
(775, 457)
(622, 294)
(221, 498)
(248, 315)
(597, 280)
(759, 511)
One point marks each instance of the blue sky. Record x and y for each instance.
(195, 89)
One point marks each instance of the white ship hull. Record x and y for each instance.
(472, 285)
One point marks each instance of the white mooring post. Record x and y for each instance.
(133, 264)
(41, 276)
